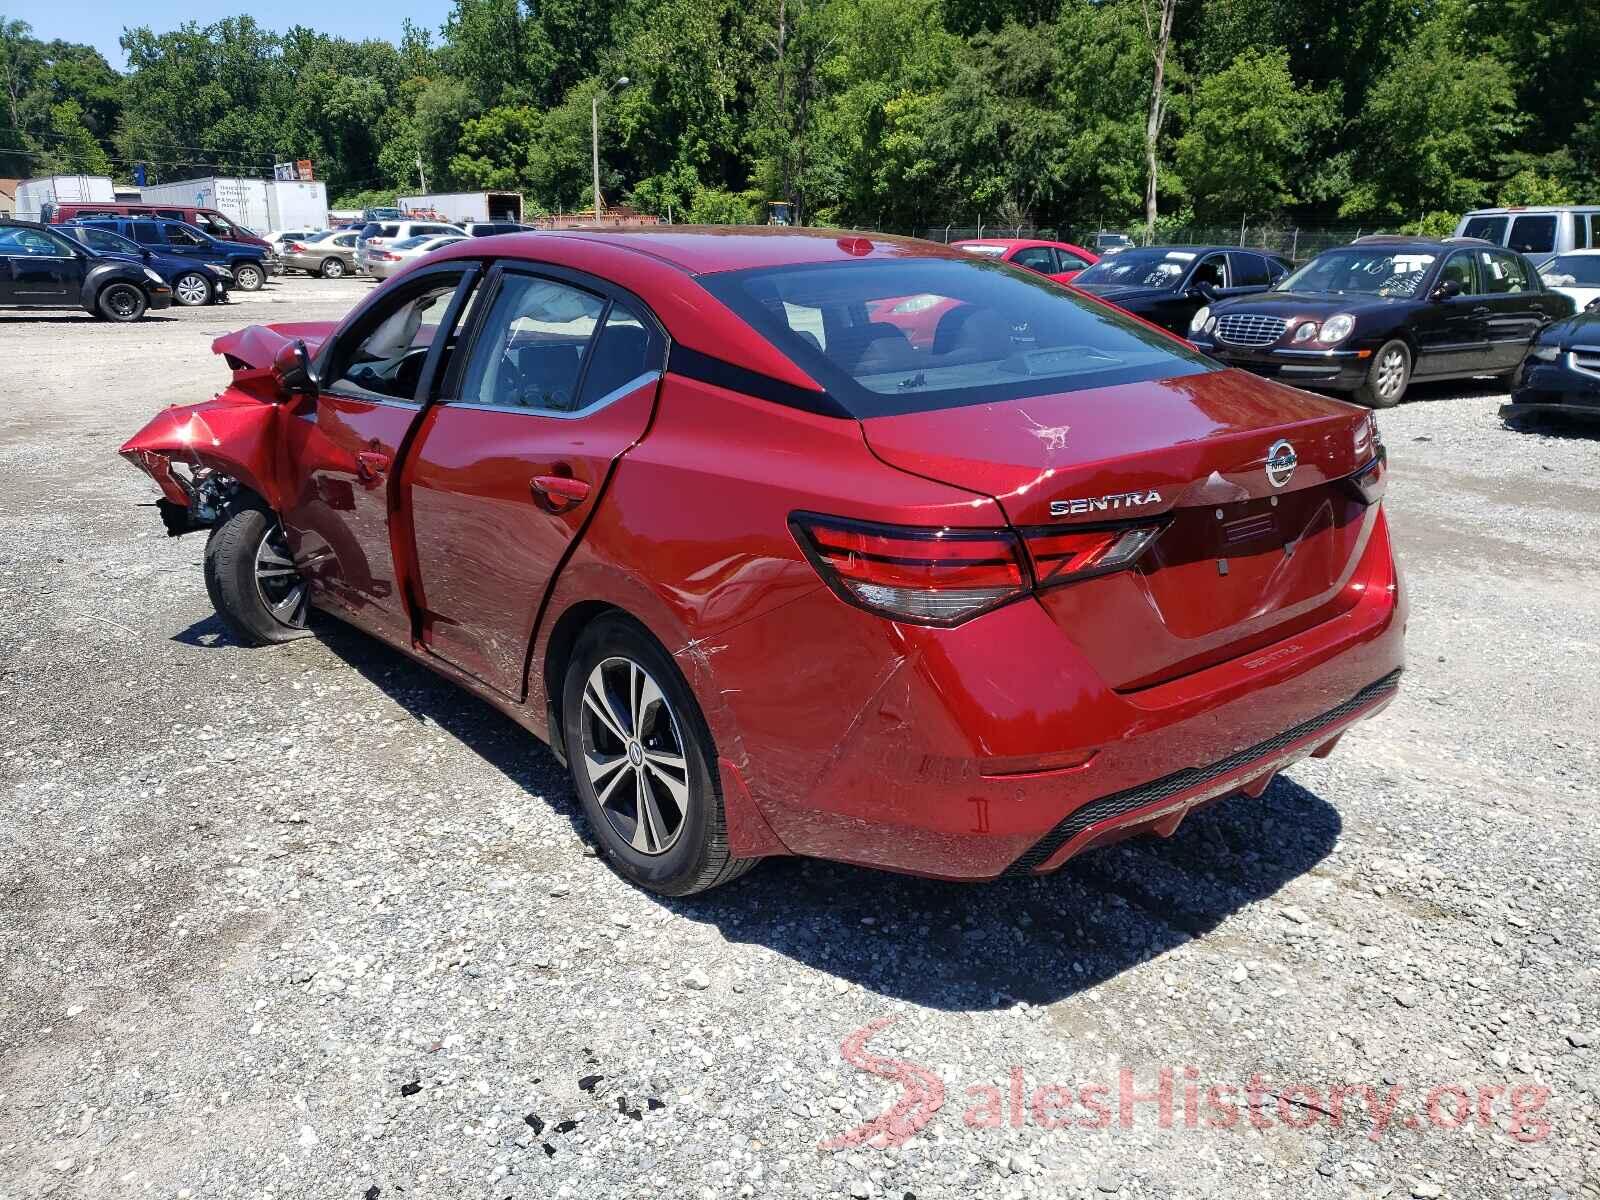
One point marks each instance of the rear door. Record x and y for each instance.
(559, 382)
(373, 376)
(1514, 314)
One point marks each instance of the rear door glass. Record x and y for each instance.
(1249, 270)
(1036, 258)
(1534, 234)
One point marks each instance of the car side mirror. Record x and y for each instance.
(293, 370)
(1448, 290)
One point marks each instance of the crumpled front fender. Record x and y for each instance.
(237, 438)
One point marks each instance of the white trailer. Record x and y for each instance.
(242, 201)
(34, 194)
(297, 204)
(462, 207)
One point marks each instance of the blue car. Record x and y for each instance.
(247, 264)
(193, 283)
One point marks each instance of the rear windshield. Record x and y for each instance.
(1141, 268)
(912, 335)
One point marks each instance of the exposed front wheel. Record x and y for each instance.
(192, 289)
(643, 762)
(333, 268)
(252, 580)
(249, 277)
(1387, 377)
(121, 302)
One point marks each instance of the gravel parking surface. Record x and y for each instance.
(308, 922)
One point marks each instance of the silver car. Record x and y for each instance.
(383, 261)
(331, 254)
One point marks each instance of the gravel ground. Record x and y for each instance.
(308, 922)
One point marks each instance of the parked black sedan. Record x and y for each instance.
(1166, 285)
(1562, 373)
(1369, 317)
(41, 268)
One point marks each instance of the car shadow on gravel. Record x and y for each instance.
(943, 945)
(81, 318)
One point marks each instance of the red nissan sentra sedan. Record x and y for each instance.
(775, 579)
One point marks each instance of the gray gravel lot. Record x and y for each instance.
(307, 922)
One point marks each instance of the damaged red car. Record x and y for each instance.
(773, 576)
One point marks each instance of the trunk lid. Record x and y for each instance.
(1242, 559)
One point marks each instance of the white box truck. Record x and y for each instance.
(462, 207)
(34, 194)
(242, 201)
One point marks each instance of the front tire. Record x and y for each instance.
(333, 268)
(1387, 377)
(192, 289)
(252, 580)
(249, 277)
(121, 302)
(643, 762)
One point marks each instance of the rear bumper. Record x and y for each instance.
(994, 749)
(1340, 370)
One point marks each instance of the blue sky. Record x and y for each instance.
(100, 22)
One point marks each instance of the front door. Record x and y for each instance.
(40, 267)
(560, 381)
(1452, 337)
(345, 447)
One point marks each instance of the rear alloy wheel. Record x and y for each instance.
(1387, 377)
(252, 580)
(642, 762)
(121, 302)
(333, 268)
(192, 290)
(249, 277)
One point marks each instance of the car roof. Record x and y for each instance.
(1412, 242)
(1533, 208)
(709, 249)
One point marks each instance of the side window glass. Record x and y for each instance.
(1533, 234)
(388, 359)
(1502, 274)
(624, 352)
(529, 354)
(1459, 268)
(1035, 258)
(1211, 272)
(172, 214)
(181, 235)
(1070, 262)
(1580, 231)
(1249, 270)
(147, 233)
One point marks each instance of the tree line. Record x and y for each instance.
(892, 114)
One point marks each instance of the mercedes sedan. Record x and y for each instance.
(774, 577)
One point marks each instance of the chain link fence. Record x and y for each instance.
(1296, 243)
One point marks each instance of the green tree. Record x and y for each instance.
(1249, 131)
(71, 148)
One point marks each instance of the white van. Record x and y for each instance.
(1540, 231)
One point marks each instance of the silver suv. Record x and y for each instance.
(1539, 231)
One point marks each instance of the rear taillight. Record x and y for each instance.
(296, 248)
(1068, 555)
(946, 576)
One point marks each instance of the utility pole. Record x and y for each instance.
(422, 178)
(594, 142)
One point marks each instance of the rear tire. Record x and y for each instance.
(251, 581)
(333, 268)
(1387, 377)
(645, 768)
(249, 277)
(191, 289)
(121, 302)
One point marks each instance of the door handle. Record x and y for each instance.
(559, 492)
(370, 465)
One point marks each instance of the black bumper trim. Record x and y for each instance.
(1130, 800)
